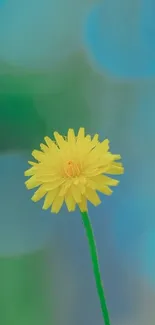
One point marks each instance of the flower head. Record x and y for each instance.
(72, 169)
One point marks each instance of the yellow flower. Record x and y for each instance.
(71, 169)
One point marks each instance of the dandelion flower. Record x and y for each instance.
(72, 170)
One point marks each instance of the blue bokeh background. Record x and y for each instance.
(71, 64)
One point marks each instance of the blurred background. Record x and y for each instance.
(68, 64)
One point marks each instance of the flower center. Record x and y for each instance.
(72, 169)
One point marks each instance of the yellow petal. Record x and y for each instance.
(60, 140)
(119, 164)
(115, 170)
(52, 185)
(65, 187)
(39, 194)
(94, 141)
(38, 155)
(30, 171)
(43, 147)
(82, 188)
(71, 137)
(92, 196)
(104, 189)
(91, 183)
(81, 135)
(70, 202)
(76, 193)
(57, 204)
(105, 180)
(49, 198)
(49, 142)
(114, 157)
(81, 185)
(32, 163)
(88, 137)
(96, 171)
(91, 160)
(83, 204)
(32, 183)
(43, 170)
(48, 178)
(104, 145)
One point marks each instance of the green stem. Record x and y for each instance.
(94, 257)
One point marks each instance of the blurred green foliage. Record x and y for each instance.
(33, 104)
(23, 293)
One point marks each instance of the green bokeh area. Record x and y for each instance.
(19, 127)
(23, 292)
(34, 104)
